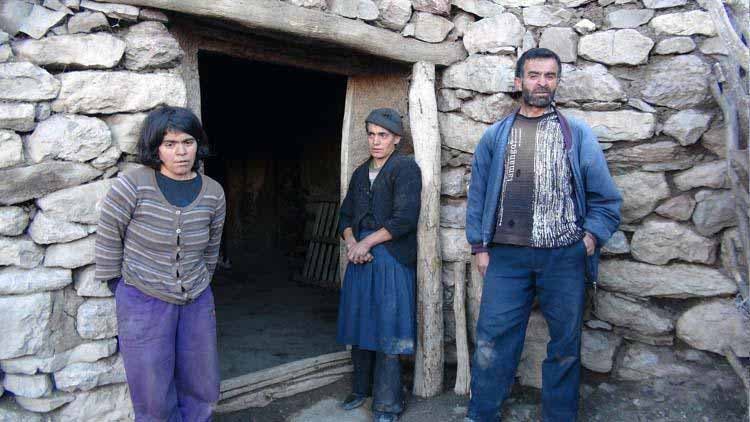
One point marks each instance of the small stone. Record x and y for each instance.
(519, 3)
(32, 386)
(675, 45)
(69, 137)
(489, 108)
(96, 319)
(483, 73)
(362, 9)
(616, 245)
(150, 46)
(642, 362)
(431, 28)
(447, 100)
(159, 16)
(528, 42)
(13, 220)
(598, 350)
(658, 241)
(663, 4)
(18, 117)
(687, 126)
(40, 20)
(624, 46)
(641, 191)
(461, 23)
(596, 324)
(20, 281)
(715, 325)
(711, 175)
(481, 8)
(623, 125)
(71, 255)
(81, 51)
(714, 211)
(57, 5)
(713, 139)
(113, 10)
(87, 285)
(20, 251)
(44, 404)
(679, 208)
(61, 29)
(394, 14)
(694, 22)
(26, 324)
(42, 111)
(438, 7)
(641, 105)
(563, 41)
(11, 149)
(575, 3)
(657, 156)
(629, 18)
(494, 34)
(454, 246)
(641, 316)
(653, 339)
(713, 45)
(453, 213)
(6, 53)
(85, 376)
(78, 204)
(25, 81)
(107, 159)
(584, 26)
(4, 37)
(460, 132)
(453, 182)
(546, 15)
(45, 230)
(24, 183)
(85, 22)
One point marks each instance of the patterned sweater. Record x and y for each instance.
(167, 252)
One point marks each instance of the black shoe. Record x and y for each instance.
(353, 401)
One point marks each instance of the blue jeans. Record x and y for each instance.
(514, 276)
(386, 385)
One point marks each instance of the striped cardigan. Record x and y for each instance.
(167, 252)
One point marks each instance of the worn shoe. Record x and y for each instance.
(385, 417)
(353, 401)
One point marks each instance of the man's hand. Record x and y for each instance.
(590, 241)
(483, 261)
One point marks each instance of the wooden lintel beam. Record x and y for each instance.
(279, 17)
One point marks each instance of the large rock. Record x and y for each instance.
(79, 204)
(11, 150)
(641, 191)
(150, 45)
(430, 28)
(487, 74)
(71, 255)
(678, 281)
(598, 349)
(459, 132)
(453, 213)
(95, 92)
(394, 14)
(624, 46)
(87, 21)
(44, 404)
(18, 117)
(453, 245)
(584, 26)
(453, 181)
(439, 7)
(13, 13)
(629, 18)
(45, 230)
(494, 34)
(617, 244)
(87, 51)
(86, 352)
(714, 326)
(20, 281)
(679, 208)
(534, 351)
(546, 15)
(656, 156)
(675, 45)
(96, 319)
(679, 82)
(694, 22)
(28, 385)
(69, 137)
(687, 126)
(24, 183)
(113, 10)
(489, 108)
(621, 125)
(87, 285)
(126, 129)
(658, 241)
(638, 315)
(714, 211)
(481, 8)
(25, 81)
(641, 362)
(26, 324)
(663, 4)
(85, 376)
(20, 251)
(563, 41)
(711, 175)
(13, 221)
(40, 20)
(106, 404)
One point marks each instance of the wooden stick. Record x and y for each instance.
(726, 31)
(463, 373)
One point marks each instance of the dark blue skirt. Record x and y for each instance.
(377, 306)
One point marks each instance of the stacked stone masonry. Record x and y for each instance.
(77, 78)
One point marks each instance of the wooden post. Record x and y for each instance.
(463, 373)
(474, 298)
(428, 377)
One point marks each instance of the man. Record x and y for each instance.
(541, 204)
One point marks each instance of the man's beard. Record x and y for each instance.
(537, 101)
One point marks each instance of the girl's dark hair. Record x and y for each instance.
(169, 119)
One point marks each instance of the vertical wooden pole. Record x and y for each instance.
(423, 118)
(463, 374)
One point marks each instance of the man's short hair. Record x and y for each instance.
(537, 53)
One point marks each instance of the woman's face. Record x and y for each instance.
(177, 154)
(382, 142)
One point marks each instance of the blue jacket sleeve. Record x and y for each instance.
(603, 199)
(407, 200)
(480, 168)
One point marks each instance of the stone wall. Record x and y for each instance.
(77, 77)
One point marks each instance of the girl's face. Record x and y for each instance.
(177, 153)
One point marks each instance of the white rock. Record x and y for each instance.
(519, 3)
(453, 181)
(69, 137)
(439, 7)
(460, 132)
(25, 81)
(598, 325)
(57, 5)
(40, 21)
(711, 175)
(13, 220)
(105, 404)
(107, 159)
(72, 4)
(675, 45)
(663, 4)
(394, 14)
(588, 83)
(15, 281)
(642, 362)
(584, 26)
(87, 22)
(447, 100)
(528, 42)
(624, 46)
(113, 10)
(714, 211)
(85, 376)
(159, 16)
(546, 15)
(493, 34)
(430, 28)
(126, 129)
(487, 74)
(24, 183)
(657, 156)
(454, 246)
(694, 22)
(26, 324)
(575, 3)
(42, 111)
(10, 412)
(44, 404)
(95, 92)
(629, 18)
(6, 53)
(481, 8)
(616, 245)
(641, 191)
(489, 108)
(362, 9)
(679, 208)
(598, 350)
(678, 281)
(28, 385)
(86, 352)
(453, 213)
(11, 149)
(640, 316)
(20, 251)
(563, 41)
(13, 13)
(71, 255)
(79, 51)
(45, 230)
(86, 285)
(310, 4)
(18, 117)
(96, 319)
(658, 241)
(150, 45)
(714, 141)
(622, 125)
(687, 126)
(79, 204)
(713, 45)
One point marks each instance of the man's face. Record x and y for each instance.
(539, 82)
(382, 142)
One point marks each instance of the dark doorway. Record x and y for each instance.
(275, 139)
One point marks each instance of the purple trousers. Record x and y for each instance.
(170, 355)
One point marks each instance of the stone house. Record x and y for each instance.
(78, 76)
